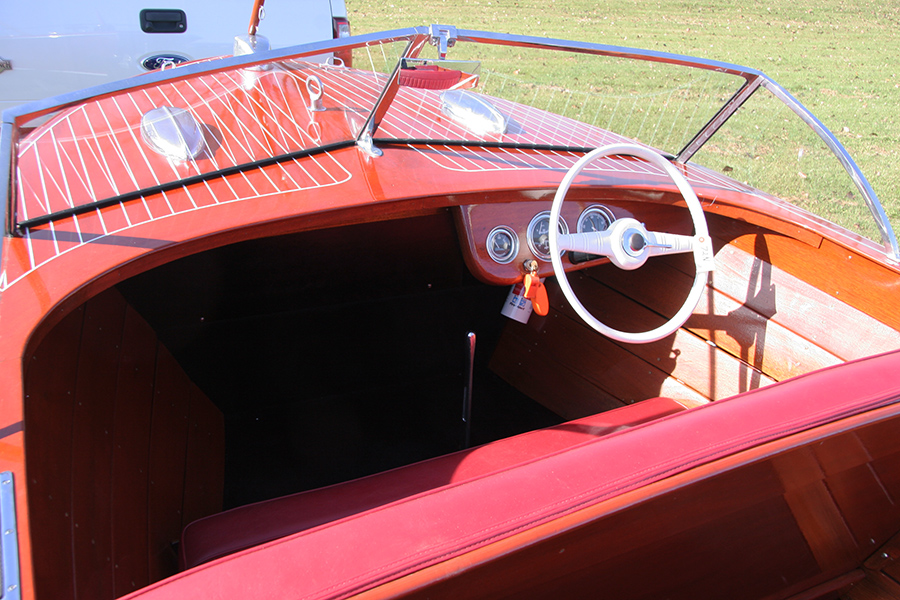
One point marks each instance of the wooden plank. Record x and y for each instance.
(92, 444)
(49, 399)
(859, 281)
(744, 313)
(131, 454)
(857, 489)
(807, 310)
(204, 479)
(815, 511)
(95, 393)
(876, 586)
(686, 357)
(615, 372)
(559, 388)
(168, 446)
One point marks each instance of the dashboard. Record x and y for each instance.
(498, 237)
(502, 237)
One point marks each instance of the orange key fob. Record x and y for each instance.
(537, 293)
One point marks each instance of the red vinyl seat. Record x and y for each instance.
(430, 77)
(247, 526)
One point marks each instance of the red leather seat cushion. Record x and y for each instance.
(248, 526)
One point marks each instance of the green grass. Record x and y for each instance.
(837, 57)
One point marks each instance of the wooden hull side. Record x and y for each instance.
(122, 452)
(775, 522)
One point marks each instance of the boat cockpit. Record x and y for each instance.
(263, 295)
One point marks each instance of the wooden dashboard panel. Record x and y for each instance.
(476, 221)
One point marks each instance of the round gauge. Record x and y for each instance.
(539, 234)
(595, 218)
(502, 244)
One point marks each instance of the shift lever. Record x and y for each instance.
(467, 391)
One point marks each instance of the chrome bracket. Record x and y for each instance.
(367, 145)
(444, 37)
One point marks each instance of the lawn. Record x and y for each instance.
(837, 57)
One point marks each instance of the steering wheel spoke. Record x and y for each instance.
(593, 242)
(628, 244)
(659, 243)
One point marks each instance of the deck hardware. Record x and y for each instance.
(5, 64)
(252, 44)
(316, 90)
(443, 37)
(367, 145)
(173, 133)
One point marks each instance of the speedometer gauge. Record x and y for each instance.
(539, 234)
(595, 218)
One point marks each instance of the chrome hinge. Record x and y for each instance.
(367, 144)
(444, 37)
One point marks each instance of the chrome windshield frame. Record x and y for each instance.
(417, 38)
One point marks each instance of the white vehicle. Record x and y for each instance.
(52, 47)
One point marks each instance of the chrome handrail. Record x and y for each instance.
(418, 36)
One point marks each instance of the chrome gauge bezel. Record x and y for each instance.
(514, 251)
(592, 210)
(529, 235)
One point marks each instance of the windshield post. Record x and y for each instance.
(367, 133)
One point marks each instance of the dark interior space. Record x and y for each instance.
(335, 353)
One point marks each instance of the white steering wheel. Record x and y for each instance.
(628, 244)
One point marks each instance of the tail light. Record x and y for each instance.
(341, 28)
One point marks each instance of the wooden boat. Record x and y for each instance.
(252, 341)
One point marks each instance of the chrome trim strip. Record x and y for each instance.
(7, 168)
(888, 238)
(605, 50)
(10, 586)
